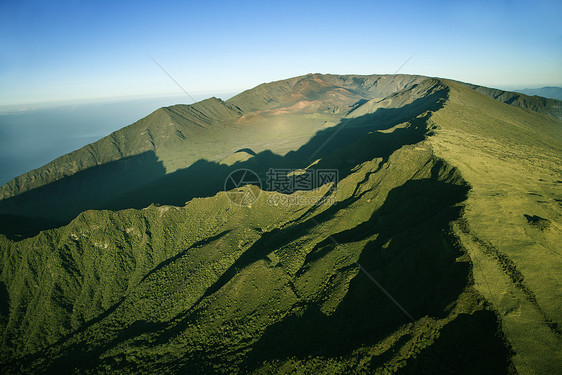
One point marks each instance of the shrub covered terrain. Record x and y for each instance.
(431, 258)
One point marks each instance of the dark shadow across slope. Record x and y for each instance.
(413, 257)
(89, 189)
(114, 185)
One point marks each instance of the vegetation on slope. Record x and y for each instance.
(146, 177)
(277, 117)
(551, 107)
(256, 289)
(194, 284)
(512, 224)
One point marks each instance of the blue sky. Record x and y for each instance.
(59, 51)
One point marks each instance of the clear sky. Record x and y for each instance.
(68, 50)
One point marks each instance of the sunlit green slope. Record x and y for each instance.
(438, 256)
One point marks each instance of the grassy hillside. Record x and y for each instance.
(212, 287)
(167, 127)
(176, 144)
(437, 252)
(512, 159)
(551, 107)
(278, 117)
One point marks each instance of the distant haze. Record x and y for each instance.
(80, 49)
(545, 92)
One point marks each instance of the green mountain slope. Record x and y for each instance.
(278, 117)
(512, 159)
(259, 288)
(438, 253)
(175, 138)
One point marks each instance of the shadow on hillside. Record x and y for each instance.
(17, 227)
(412, 257)
(92, 188)
(470, 344)
(138, 181)
(415, 259)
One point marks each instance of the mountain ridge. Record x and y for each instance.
(440, 185)
(117, 144)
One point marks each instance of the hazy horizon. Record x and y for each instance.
(75, 50)
(31, 138)
(183, 99)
